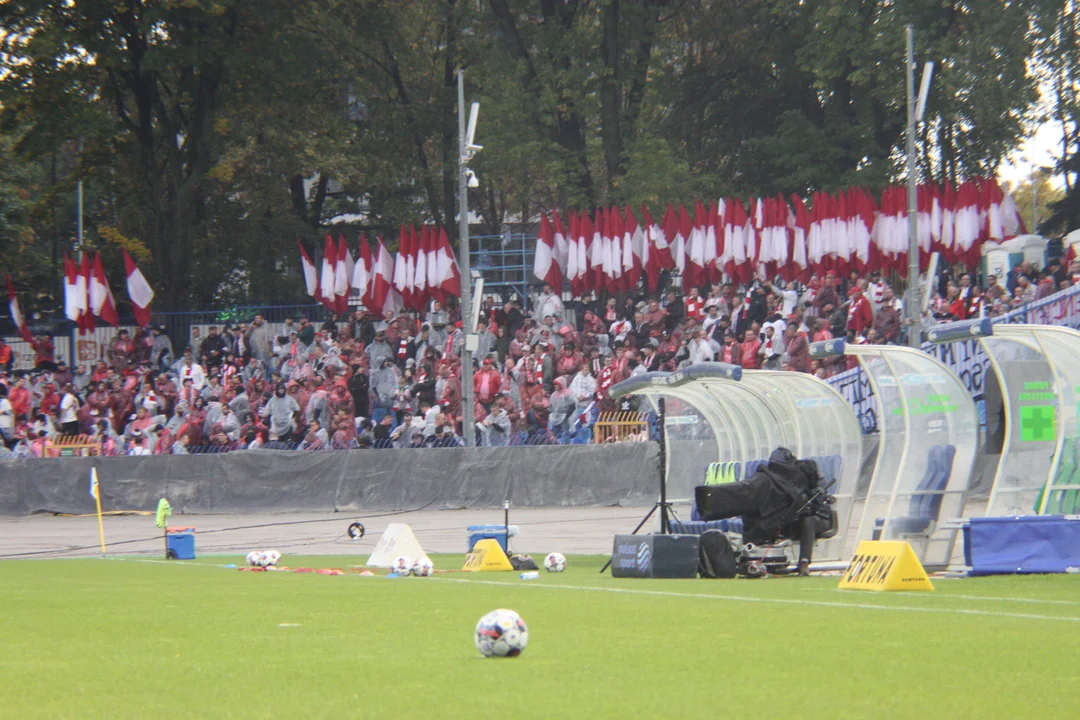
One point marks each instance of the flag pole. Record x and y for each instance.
(96, 492)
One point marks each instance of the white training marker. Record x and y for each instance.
(288, 624)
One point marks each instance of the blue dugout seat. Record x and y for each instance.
(925, 505)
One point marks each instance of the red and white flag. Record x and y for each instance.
(584, 243)
(800, 232)
(598, 252)
(71, 300)
(343, 270)
(680, 236)
(400, 279)
(384, 295)
(657, 252)
(411, 299)
(362, 271)
(639, 248)
(714, 235)
(16, 313)
(694, 268)
(432, 265)
(614, 249)
(562, 246)
(311, 278)
(328, 277)
(139, 291)
(82, 291)
(545, 266)
(420, 283)
(447, 271)
(102, 302)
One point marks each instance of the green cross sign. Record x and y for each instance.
(1037, 423)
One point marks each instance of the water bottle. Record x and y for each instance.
(532, 575)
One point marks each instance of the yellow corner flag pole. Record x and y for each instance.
(96, 494)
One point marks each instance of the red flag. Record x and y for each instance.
(139, 291)
(16, 313)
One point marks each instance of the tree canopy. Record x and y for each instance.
(211, 134)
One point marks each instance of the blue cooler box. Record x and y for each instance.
(492, 532)
(180, 543)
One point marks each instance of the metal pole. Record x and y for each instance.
(665, 522)
(912, 300)
(468, 422)
(80, 226)
(1034, 202)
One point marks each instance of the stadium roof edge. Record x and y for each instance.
(652, 380)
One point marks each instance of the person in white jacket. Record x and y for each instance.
(193, 370)
(700, 350)
(583, 387)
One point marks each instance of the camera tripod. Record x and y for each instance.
(663, 505)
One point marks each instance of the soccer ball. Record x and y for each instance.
(273, 557)
(401, 566)
(253, 558)
(501, 633)
(422, 567)
(555, 562)
(264, 560)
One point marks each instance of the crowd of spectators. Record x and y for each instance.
(540, 375)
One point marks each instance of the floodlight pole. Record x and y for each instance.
(468, 422)
(912, 301)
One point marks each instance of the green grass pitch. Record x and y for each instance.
(131, 638)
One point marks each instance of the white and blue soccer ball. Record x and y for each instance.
(401, 566)
(423, 567)
(253, 558)
(273, 557)
(555, 562)
(263, 559)
(501, 633)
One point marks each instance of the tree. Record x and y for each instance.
(1056, 26)
(1042, 200)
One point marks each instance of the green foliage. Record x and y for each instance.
(217, 133)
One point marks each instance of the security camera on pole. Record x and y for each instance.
(913, 298)
(466, 179)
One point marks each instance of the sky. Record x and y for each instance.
(1038, 150)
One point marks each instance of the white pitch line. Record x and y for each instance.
(782, 601)
(738, 598)
(987, 598)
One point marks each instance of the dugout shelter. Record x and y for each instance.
(928, 437)
(751, 413)
(1038, 371)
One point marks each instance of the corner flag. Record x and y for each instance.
(96, 494)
